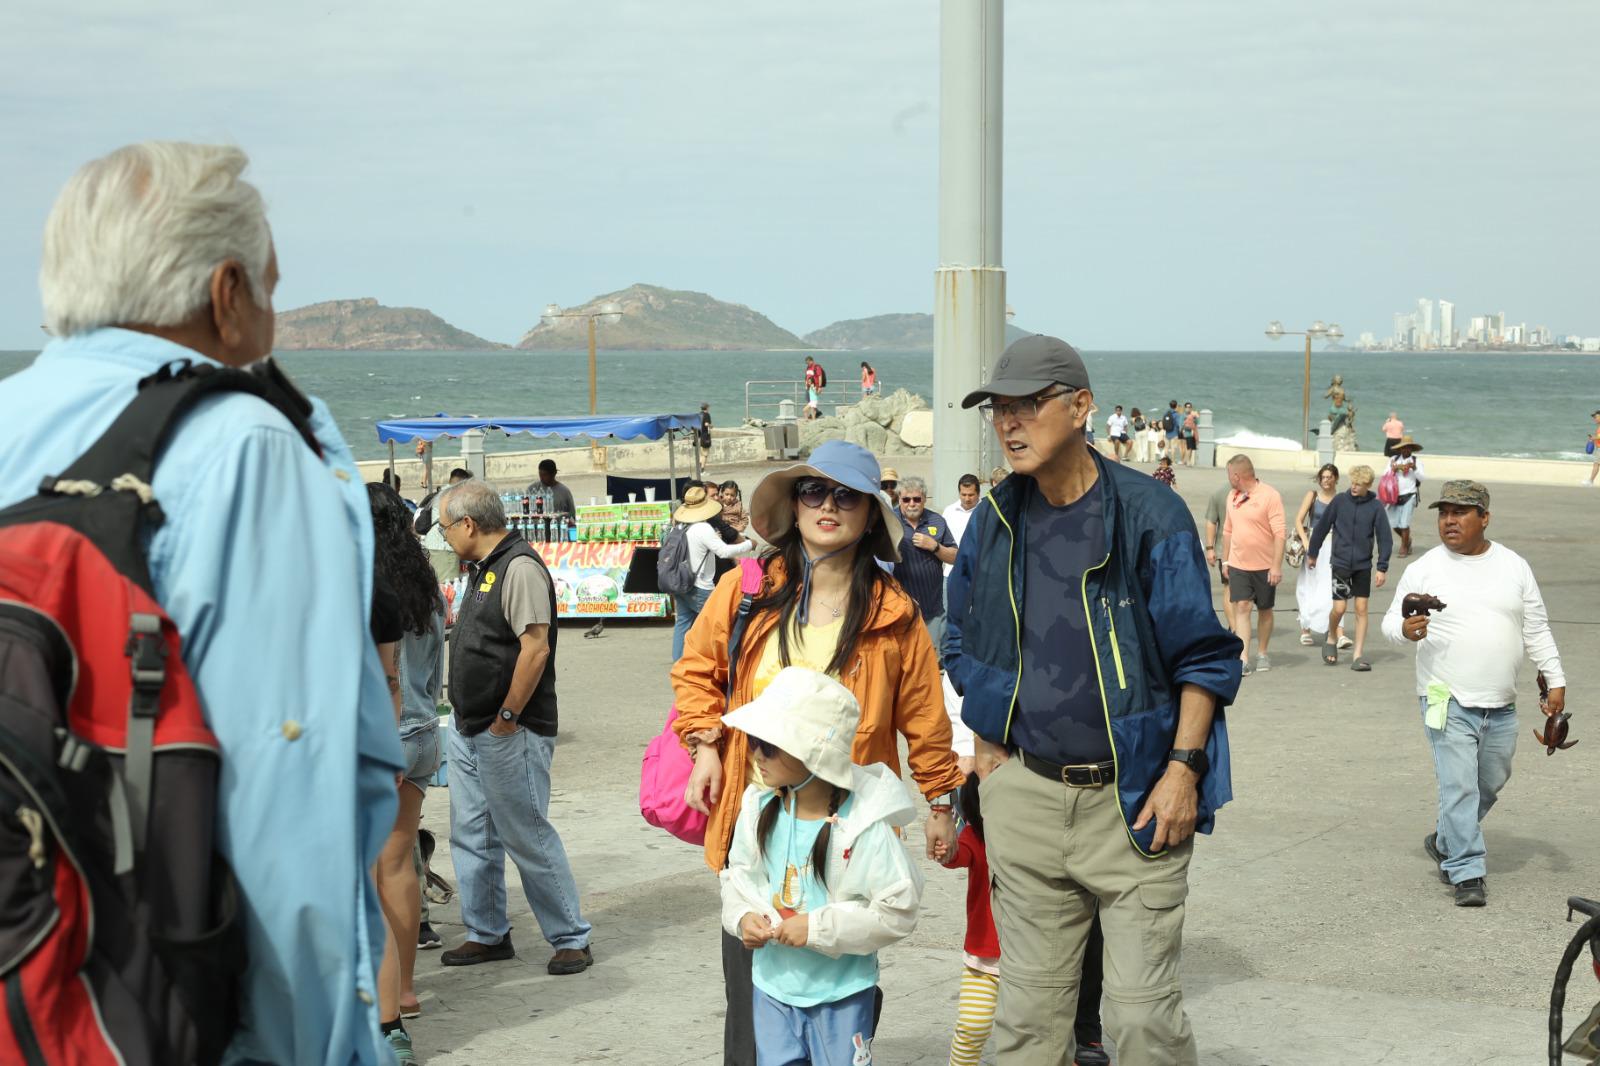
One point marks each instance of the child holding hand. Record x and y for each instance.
(817, 881)
(980, 980)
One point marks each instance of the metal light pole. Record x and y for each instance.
(1275, 331)
(609, 311)
(970, 284)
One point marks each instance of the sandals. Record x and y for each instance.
(1361, 666)
(1330, 654)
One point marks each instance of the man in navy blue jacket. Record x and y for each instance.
(1081, 633)
(1357, 521)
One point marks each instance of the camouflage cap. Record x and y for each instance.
(1463, 493)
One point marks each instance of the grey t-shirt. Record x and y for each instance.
(421, 677)
(525, 599)
(1217, 512)
(1060, 715)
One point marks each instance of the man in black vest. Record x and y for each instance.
(503, 688)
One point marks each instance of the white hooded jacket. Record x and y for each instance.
(874, 890)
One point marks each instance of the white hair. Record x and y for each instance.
(135, 236)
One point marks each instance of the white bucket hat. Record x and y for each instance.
(809, 715)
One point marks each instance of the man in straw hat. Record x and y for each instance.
(1407, 469)
(705, 548)
(1081, 633)
(1469, 649)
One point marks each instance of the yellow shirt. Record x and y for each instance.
(813, 652)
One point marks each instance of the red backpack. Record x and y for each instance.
(120, 933)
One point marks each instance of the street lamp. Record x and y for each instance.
(1275, 331)
(609, 311)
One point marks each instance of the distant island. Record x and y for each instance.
(366, 325)
(657, 319)
(905, 332)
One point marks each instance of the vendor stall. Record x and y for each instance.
(588, 553)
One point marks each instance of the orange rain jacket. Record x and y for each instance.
(894, 676)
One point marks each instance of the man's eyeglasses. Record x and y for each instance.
(812, 493)
(444, 527)
(767, 748)
(911, 499)
(1025, 409)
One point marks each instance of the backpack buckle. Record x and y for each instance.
(148, 655)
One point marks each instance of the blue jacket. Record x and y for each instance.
(1150, 621)
(1355, 522)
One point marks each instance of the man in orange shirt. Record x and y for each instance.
(1252, 552)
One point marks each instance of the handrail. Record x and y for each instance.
(763, 399)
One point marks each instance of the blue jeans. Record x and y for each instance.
(685, 609)
(1472, 759)
(499, 802)
(828, 1034)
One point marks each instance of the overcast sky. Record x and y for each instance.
(1176, 174)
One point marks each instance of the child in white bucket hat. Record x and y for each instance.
(817, 881)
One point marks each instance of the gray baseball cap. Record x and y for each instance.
(1031, 365)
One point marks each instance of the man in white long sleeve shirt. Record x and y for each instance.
(705, 548)
(1468, 656)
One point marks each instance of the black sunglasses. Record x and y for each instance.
(812, 493)
(767, 748)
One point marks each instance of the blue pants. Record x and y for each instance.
(685, 609)
(829, 1034)
(1472, 759)
(499, 802)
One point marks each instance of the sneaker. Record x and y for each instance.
(1247, 669)
(570, 961)
(470, 953)
(427, 939)
(1472, 893)
(400, 1044)
(1430, 844)
(1091, 1055)
(1263, 664)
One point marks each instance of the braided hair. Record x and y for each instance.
(819, 850)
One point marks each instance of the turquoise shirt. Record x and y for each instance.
(801, 977)
(265, 564)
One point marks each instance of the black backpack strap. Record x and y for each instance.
(736, 638)
(130, 445)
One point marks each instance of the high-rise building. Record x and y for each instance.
(1498, 325)
(1369, 340)
(1425, 338)
(1480, 328)
(1405, 329)
(1447, 324)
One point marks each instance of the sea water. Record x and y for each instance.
(1456, 403)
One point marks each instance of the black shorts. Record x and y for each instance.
(1352, 584)
(1122, 437)
(1251, 585)
(1188, 442)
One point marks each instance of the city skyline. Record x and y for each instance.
(1415, 331)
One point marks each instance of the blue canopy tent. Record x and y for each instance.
(595, 427)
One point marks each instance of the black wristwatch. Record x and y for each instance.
(507, 714)
(1194, 758)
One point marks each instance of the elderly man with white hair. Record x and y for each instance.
(158, 256)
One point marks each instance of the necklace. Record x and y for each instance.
(836, 611)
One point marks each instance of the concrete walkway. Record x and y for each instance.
(1317, 931)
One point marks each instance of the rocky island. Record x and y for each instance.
(657, 319)
(904, 333)
(366, 325)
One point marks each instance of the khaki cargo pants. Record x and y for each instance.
(1054, 852)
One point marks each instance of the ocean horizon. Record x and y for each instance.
(1530, 406)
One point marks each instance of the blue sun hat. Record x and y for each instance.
(850, 465)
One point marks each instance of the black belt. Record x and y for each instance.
(1082, 775)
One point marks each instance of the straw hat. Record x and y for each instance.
(889, 474)
(697, 506)
(809, 715)
(1407, 442)
(772, 506)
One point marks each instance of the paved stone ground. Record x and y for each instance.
(1317, 931)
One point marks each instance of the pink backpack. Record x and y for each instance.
(664, 773)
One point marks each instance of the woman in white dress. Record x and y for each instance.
(1313, 589)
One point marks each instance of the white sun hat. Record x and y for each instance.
(809, 715)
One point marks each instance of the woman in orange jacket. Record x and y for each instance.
(824, 603)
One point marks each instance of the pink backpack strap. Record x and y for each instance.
(750, 575)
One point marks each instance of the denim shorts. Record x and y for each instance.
(422, 756)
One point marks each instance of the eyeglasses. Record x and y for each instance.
(1244, 497)
(911, 499)
(445, 527)
(1025, 409)
(767, 748)
(812, 493)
